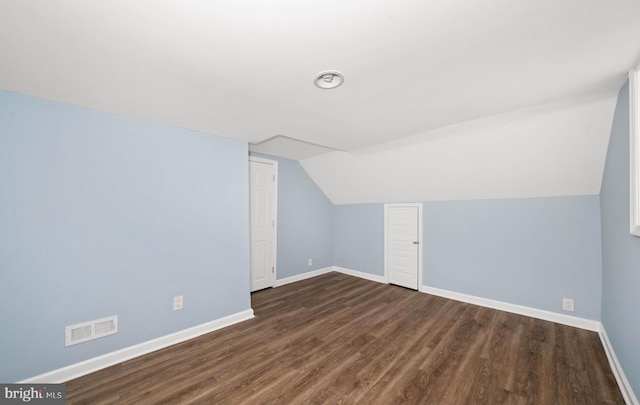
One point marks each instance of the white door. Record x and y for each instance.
(263, 202)
(402, 244)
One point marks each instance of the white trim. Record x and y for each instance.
(303, 276)
(581, 323)
(568, 320)
(76, 370)
(262, 160)
(319, 272)
(275, 215)
(360, 274)
(634, 150)
(420, 221)
(627, 392)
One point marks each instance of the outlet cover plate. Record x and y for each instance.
(178, 302)
(567, 304)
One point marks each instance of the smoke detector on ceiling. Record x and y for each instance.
(329, 79)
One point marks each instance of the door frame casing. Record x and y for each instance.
(420, 239)
(275, 217)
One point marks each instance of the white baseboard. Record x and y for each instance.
(582, 323)
(574, 321)
(356, 273)
(627, 392)
(303, 276)
(72, 371)
(319, 272)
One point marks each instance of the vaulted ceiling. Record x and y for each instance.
(244, 68)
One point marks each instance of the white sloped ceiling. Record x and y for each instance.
(421, 78)
(554, 150)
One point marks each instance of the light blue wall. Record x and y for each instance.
(530, 252)
(359, 238)
(620, 250)
(305, 221)
(102, 214)
(106, 215)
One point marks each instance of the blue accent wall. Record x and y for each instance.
(359, 238)
(530, 252)
(305, 221)
(620, 249)
(105, 215)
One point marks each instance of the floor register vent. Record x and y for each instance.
(83, 332)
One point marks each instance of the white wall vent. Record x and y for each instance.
(85, 331)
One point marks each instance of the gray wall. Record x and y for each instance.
(106, 215)
(620, 250)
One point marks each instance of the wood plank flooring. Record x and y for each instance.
(337, 339)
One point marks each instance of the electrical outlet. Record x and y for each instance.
(309, 262)
(178, 302)
(567, 304)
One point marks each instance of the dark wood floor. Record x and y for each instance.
(337, 339)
